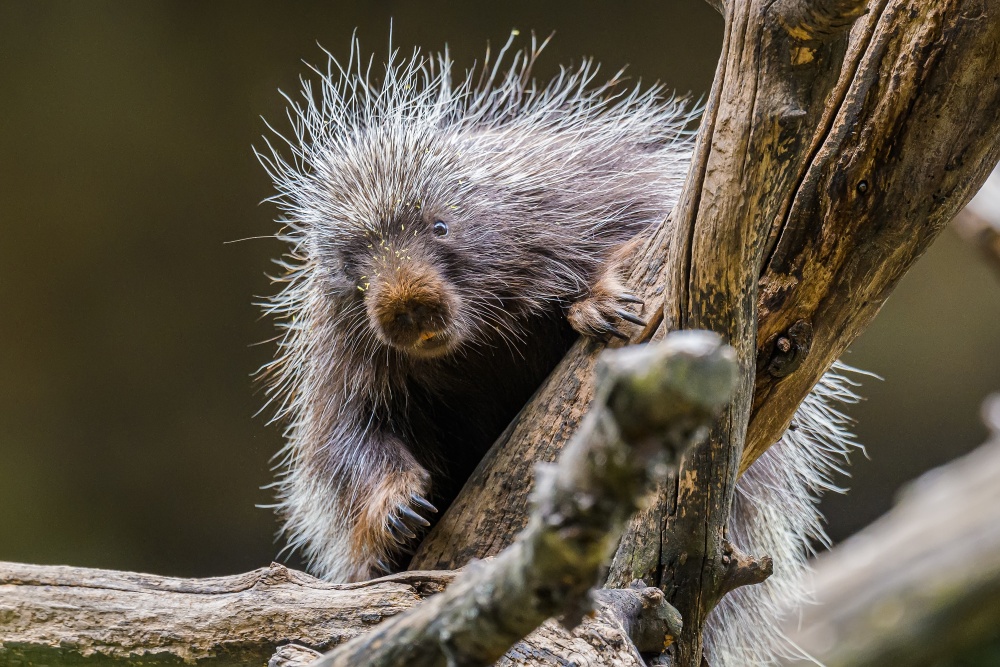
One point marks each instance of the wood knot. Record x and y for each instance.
(784, 352)
(274, 574)
(741, 569)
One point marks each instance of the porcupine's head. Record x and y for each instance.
(435, 214)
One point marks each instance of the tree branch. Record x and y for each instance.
(979, 223)
(651, 403)
(50, 615)
(780, 61)
(916, 131)
(920, 585)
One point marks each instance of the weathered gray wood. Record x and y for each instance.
(651, 403)
(64, 615)
(608, 637)
(920, 585)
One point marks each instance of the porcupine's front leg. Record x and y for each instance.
(355, 505)
(392, 511)
(599, 312)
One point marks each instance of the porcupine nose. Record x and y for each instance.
(412, 308)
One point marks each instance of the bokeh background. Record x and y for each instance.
(128, 334)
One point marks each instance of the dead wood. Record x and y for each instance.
(53, 615)
(979, 223)
(652, 402)
(919, 586)
(56, 615)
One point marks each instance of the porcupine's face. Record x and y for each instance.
(415, 257)
(410, 303)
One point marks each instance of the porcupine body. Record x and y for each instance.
(448, 241)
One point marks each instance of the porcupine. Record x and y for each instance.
(447, 243)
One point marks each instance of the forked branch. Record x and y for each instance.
(651, 403)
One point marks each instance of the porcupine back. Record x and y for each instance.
(556, 177)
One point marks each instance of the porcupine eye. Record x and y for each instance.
(440, 228)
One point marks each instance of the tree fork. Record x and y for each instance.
(838, 141)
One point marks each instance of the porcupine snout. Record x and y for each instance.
(411, 308)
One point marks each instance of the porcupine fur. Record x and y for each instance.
(405, 353)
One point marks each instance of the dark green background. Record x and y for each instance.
(127, 429)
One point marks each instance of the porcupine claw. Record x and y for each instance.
(629, 298)
(412, 517)
(616, 332)
(597, 314)
(422, 503)
(629, 317)
(399, 530)
(406, 522)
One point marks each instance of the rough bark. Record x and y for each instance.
(914, 131)
(55, 615)
(65, 615)
(780, 60)
(922, 584)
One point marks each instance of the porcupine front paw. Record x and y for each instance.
(396, 514)
(599, 313)
(405, 523)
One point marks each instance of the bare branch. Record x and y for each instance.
(64, 615)
(50, 615)
(979, 223)
(914, 133)
(651, 403)
(920, 584)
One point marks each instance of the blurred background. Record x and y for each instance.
(128, 334)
